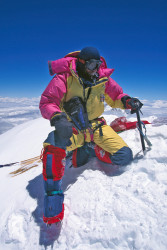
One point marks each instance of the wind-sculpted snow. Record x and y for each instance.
(106, 207)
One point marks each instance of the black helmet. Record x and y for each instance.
(88, 53)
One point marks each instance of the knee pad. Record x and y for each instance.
(122, 157)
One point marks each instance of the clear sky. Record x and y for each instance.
(131, 35)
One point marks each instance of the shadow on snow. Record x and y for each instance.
(48, 235)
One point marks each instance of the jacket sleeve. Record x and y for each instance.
(52, 96)
(113, 94)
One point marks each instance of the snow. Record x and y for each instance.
(106, 207)
(23, 141)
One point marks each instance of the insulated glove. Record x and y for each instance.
(63, 126)
(131, 103)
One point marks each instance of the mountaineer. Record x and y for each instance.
(73, 101)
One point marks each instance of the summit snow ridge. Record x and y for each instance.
(106, 207)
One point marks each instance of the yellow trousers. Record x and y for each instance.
(110, 141)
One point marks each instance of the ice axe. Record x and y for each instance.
(136, 106)
(143, 136)
(139, 126)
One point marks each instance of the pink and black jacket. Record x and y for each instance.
(66, 84)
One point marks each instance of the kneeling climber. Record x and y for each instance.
(73, 101)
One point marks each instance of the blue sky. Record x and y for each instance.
(131, 35)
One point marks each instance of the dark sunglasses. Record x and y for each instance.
(93, 64)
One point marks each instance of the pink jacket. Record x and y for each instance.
(57, 88)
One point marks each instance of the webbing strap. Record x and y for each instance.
(144, 134)
(49, 193)
(98, 126)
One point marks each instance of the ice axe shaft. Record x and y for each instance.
(140, 130)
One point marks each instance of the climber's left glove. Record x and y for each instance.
(131, 103)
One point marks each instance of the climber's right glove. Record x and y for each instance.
(62, 126)
(131, 103)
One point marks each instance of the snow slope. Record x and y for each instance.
(106, 207)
